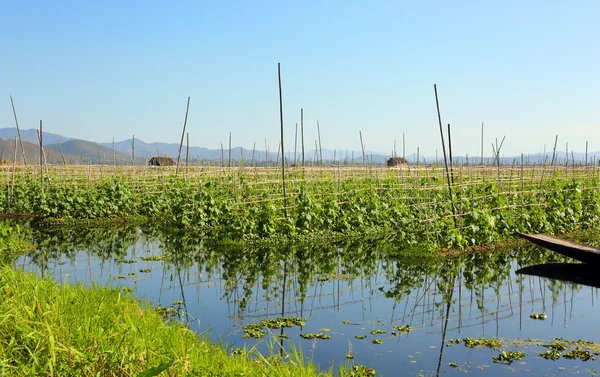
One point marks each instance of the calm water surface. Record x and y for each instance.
(369, 284)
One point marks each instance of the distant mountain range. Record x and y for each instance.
(57, 147)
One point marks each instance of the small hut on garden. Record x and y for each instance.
(161, 161)
(396, 161)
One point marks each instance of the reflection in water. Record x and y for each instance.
(369, 285)
(578, 273)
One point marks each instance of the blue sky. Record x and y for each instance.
(104, 69)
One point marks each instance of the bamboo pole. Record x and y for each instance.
(362, 146)
(18, 131)
(282, 159)
(296, 146)
(229, 163)
(302, 132)
(320, 149)
(182, 135)
(437, 104)
(187, 151)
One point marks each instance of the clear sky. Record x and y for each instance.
(101, 69)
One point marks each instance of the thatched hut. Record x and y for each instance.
(396, 161)
(161, 161)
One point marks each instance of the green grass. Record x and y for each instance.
(72, 330)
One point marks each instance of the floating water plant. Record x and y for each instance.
(377, 331)
(360, 336)
(346, 322)
(154, 258)
(315, 336)
(507, 357)
(255, 330)
(376, 341)
(578, 353)
(362, 371)
(403, 328)
(145, 270)
(540, 316)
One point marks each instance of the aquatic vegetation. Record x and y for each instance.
(346, 322)
(315, 336)
(154, 258)
(377, 331)
(578, 353)
(481, 342)
(256, 330)
(508, 357)
(362, 371)
(146, 270)
(360, 337)
(540, 316)
(403, 328)
(377, 341)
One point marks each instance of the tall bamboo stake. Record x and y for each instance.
(302, 132)
(187, 108)
(41, 159)
(296, 145)
(320, 149)
(62, 154)
(554, 151)
(481, 143)
(437, 104)
(133, 150)
(222, 156)
(362, 146)
(229, 150)
(282, 159)
(18, 130)
(187, 151)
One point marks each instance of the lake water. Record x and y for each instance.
(343, 290)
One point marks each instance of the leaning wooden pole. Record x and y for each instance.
(62, 154)
(133, 150)
(229, 163)
(296, 145)
(182, 135)
(320, 148)
(41, 159)
(362, 146)
(18, 130)
(302, 132)
(437, 104)
(554, 151)
(282, 149)
(481, 143)
(187, 151)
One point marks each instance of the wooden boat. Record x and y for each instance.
(578, 273)
(580, 252)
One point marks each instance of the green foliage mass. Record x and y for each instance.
(237, 205)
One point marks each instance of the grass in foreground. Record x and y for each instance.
(71, 330)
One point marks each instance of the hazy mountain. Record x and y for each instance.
(30, 136)
(76, 151)
(32, 152)
(87, 151)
